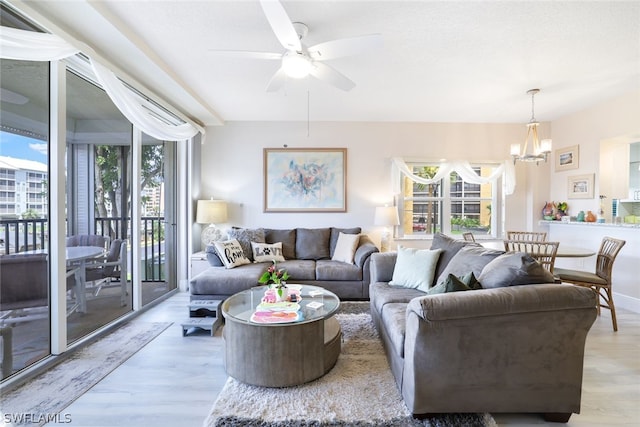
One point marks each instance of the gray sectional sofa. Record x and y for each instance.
(504, 349)
(307, 253)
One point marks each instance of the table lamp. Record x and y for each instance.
(211, 212)
(386, 216)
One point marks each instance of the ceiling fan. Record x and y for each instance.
(299, 60)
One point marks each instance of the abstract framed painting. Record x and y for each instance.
(305, 179)
(581, 186)
(567, 158)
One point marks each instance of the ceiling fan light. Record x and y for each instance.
(296, 65)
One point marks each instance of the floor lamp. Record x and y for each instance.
(211, 212)
(386, 216)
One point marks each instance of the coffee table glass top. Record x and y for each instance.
(243, 304)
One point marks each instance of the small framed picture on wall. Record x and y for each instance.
(567, 158)
(581, 186)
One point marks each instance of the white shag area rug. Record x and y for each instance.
(52, 391)
(359, 391)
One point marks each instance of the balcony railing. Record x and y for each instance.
(19, 235)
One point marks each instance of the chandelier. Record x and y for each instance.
(540, 149)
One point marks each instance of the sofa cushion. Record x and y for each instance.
(468, 259)
(312, 243)
(212, 256)
(382, 294)
(231, 253)
(221, 281)
(450, 248)
(450, 284)
(512, 269)
(266, 252)
(346, 248)
(335, 270)
(245, 236)
(394, 320)
(415, 268)
(288, 239)
(298, 269)
(335, 233)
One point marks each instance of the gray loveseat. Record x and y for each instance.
(507, 349)
(307, 253)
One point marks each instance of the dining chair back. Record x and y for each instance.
(600, 281)
(531, 236)
(543, 252)
(468, 237)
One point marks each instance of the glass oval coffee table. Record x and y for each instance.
(294, 351)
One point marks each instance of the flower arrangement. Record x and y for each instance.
(274, 276)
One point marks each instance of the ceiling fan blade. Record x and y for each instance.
(327, 74)
(277, 81)
(246, 54)
(281, 24)
(345, 47)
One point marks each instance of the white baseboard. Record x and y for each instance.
(626, 302)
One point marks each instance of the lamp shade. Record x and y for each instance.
(386, 216)
(211, 212)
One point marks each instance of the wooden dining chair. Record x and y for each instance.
(543, 252)
(530, 236)
(468, 237)
(600, 281)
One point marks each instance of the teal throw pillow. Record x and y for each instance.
(415, 268)
(450, 284)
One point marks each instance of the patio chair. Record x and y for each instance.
(88, 240)
(600, 281)
(113, 266)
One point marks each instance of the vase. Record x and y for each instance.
(281, 293)
(580, 216)
(549, 211)
(590, 217)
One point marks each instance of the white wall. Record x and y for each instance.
(612, 119)
(233, 154)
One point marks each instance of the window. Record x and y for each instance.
(449, 205)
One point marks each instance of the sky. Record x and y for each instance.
(21, 147)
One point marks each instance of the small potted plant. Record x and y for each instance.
(563, 207)
(276, 278)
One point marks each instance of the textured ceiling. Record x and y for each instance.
(441, 61)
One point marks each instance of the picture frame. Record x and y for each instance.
(305, 179)
(581, 186)
(567, 158)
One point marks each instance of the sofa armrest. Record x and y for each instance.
(382, 266)
(365, 248)
(502, 301)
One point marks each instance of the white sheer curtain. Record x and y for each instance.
(466, 172)
(32, 46)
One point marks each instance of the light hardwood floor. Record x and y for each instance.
(174, 379)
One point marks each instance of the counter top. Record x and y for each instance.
(589, 224)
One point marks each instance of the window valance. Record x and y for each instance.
(466, 172)
(32, 46)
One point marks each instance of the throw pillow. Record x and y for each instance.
(415, 268)
(212, 256)
(231, 253)
(469, 259)
(346, 247)
(312, 243)
(245, 236)
(450, 248)
(335, 233)
(267, 252)
(513, 269)
(450, 284)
